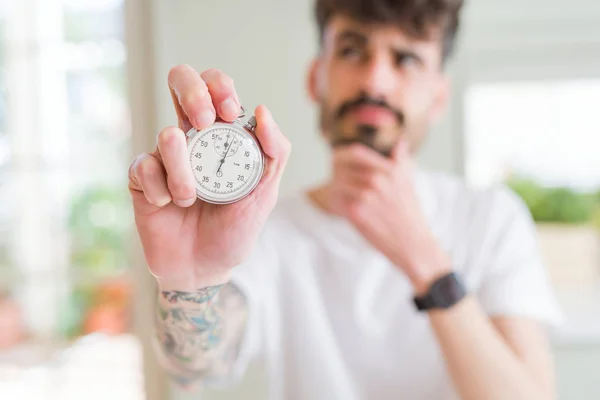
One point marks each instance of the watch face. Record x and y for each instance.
(447, 291)
(226, 161)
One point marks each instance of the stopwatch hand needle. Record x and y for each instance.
(220, 165)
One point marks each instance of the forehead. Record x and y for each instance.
(340, 26)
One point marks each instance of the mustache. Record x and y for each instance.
(346, 142)
(363, 100)
(366, 136)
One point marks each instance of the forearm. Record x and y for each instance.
(481, 363)
(199, 333)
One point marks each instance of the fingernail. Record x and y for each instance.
(206, 118)
(163, 201)
(229, 107)
(185, 203)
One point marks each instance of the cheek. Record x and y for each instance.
(418, 104)
(340, 83)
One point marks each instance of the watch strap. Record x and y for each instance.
(445, 292)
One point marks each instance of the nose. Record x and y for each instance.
(379, 77)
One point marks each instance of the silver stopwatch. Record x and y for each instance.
(226, 160)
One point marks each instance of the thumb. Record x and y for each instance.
(273, 142)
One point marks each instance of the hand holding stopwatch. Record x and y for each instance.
(223, 141)
(190, 243)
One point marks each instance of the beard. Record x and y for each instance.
(367, 135)
(342, 132)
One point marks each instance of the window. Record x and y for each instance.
(65, 213)
(542, 139)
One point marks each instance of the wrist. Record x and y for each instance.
(427, 271)
(423, 283)
(192, 283)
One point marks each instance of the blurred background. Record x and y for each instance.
(83, 89)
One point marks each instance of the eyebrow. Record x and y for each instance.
(362, 39)
(354, 36)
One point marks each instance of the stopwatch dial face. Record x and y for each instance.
(226, 143)
(227, 163)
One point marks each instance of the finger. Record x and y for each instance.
(362, 179)
(274, 144)
(191, 98)
(345, 190)
(147, 175)
(362, 157)
(401, 151)
(180, 179)
(222, 93)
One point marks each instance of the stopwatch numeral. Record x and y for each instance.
(247, 166)
(241, 178)
(199, 168)
(247, 154)
(217, 185)
(214, 136)
(198, 155)
(203, 143)
(229, 184)
(205, 179)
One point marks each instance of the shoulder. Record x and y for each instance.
(494, 204)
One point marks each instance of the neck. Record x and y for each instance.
(320, 197)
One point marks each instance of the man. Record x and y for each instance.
(386, 282)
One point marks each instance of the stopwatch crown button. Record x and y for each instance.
(251, 124)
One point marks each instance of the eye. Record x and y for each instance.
(405, 60)
(349, 52)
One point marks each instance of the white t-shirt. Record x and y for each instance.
(332, 318)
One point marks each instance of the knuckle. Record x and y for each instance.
(355, 210)
(134, 163)
(181, 189)
(167, 136)
(148, 169)
(194, 98)
(134, 167)
(166, 132)
(376, 183)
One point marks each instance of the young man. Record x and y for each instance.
(386, 282)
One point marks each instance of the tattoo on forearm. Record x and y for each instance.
(200, 296)
(200, 332)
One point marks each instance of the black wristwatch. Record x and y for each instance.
(444, 293)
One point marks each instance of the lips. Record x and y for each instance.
(372, 115)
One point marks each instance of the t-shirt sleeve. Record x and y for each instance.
(516, 282)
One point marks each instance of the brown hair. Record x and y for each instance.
(416, 17)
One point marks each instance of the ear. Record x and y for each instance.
(312, 81)
(441, 99)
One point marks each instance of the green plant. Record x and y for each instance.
(99, 225)
(596, 216)
(555, 204)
